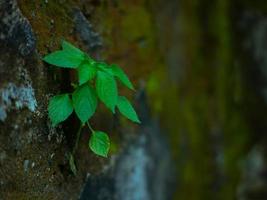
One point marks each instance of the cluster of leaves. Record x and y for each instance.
(97, 81)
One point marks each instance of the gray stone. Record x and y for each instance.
(15, 28)
(84, 30)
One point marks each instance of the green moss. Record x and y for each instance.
(206, 102)
(51, 21)
(206, 98)
(229, 94)
(136, 23)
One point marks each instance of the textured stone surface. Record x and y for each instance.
(34, 155)
(26, 160)
(15, 28)
(203, 66)
(20, 97)
(84, 30)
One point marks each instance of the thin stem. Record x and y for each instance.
(90, 127)
(78, 135)
(74, 85)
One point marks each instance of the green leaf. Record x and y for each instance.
(84, 102)
(99, 143)
(63, 59)
(106, 89)
(86, 72)
(119, 73)
(72, 164)
(74, 51)
(59, 108)
(127, 109)
(104, 67)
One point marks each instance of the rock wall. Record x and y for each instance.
(200, 72)
(34, 155)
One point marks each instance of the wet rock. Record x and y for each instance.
(16, 97)
(26, 165)
(17, 40)
(143, 168)
(15, 28)
(84, 30)
(3, 114)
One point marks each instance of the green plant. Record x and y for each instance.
(96, 81)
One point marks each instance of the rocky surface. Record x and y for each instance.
(202, 66)
(33, 155)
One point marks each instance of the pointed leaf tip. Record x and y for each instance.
(127, 109)
(120, 74)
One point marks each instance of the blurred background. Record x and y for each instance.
(200, 72)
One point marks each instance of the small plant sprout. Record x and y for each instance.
(96, 82)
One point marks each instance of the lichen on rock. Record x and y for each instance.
(16, 97)
(15, 28)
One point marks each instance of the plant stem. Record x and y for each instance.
(78, 135)
(90, 127)
(74, 85)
